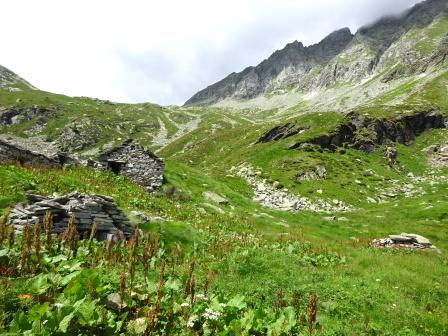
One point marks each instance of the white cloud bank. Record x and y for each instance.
(161, 51)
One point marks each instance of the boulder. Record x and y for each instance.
(417, 238)
(211, 196)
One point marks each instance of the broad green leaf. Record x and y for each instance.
(237, 302)
(65, 323)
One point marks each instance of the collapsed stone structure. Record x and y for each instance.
(85, 209)
(129, 159)
(10, 152)
(138, 164)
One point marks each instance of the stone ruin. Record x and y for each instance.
(404, 240)
(129, 159)
(10, 152)
(85, 209)
(136, 163)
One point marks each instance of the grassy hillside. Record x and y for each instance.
(237, 268)
(270, 262)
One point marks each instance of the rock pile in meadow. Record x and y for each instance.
(404, 240)
(271, 196)
(84, 209)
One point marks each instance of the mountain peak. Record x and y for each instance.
(339, 57)
(7, 78)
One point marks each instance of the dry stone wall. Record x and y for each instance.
(85, 209)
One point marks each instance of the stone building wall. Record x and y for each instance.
(136, 163)
(13, 153)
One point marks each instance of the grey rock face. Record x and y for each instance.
(85, 209)
(340, 57)
(292, 62)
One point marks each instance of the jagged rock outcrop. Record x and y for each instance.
(340, 58)
(284, 68)
(15, 115)
(365, 133)
(84, 209)
(78, 135)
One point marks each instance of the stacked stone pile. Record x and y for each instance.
(404, 240)
(85, 209)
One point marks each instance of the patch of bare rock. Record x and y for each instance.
(404, 241)
(270, 196)
(438, 155)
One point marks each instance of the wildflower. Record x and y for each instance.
(201, 297)
(24, 297)
(191, 321)
(210, 314)
(223, 305)
(393, 306)
(184, 305)
(58, 305)
(378, 280)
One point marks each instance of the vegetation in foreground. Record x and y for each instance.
(220, 274)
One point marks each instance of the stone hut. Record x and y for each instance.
(138, 164)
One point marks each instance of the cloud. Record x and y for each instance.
(162, 52)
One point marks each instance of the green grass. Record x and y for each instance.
(259, 253)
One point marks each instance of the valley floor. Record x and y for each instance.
(257, 267)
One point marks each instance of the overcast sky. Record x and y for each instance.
(161, 51)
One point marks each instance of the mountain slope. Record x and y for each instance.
(11, 80)
(341, 58)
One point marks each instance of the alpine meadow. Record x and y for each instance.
(306, 195)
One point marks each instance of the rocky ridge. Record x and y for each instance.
(361, 132)
(391, 45)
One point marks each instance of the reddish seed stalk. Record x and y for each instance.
(11, 236)
(37, 241)
(3, 221)
(92, 235)
(48, 221)
(122, 290)
(153, 313)
(133, 256)
(26, 248)
(190, 275)
(312, 312)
